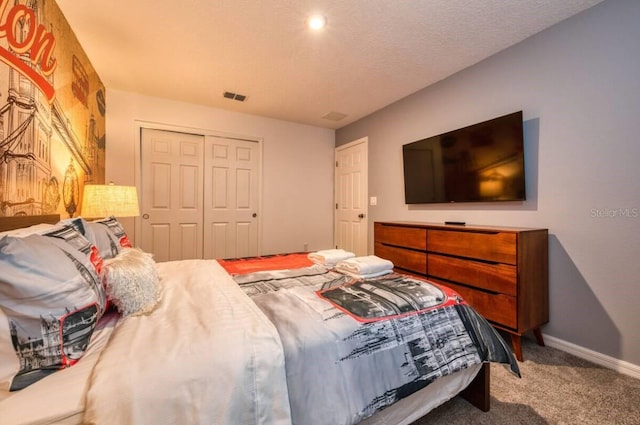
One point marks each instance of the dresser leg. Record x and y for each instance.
(516, 343)
(538, 333)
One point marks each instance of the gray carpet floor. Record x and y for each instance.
(555, 388)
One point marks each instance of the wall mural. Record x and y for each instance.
(52, 112)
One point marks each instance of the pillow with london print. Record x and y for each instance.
(51, 298)
(106, 234)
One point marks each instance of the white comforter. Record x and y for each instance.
(206, 355)
(209, 355)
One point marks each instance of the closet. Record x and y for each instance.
(199, 195)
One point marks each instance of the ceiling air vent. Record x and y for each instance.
(234, 96)
(334, 116)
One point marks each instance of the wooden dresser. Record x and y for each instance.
(501, 271)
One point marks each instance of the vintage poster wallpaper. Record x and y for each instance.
(52, 113)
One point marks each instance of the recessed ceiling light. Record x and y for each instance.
(316, 22)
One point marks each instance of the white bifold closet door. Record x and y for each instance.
(199, 196)
(231, 197)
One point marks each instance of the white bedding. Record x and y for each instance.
(206, 355)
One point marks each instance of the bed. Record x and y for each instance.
(264, 343)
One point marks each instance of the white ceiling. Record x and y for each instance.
(371, 54)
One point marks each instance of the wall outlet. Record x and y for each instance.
(306, 247)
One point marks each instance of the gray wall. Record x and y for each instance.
(578, 84)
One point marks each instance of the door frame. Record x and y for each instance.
(365, 185)
(138, 125)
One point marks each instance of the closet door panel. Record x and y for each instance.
(231, 197)
(171, 194)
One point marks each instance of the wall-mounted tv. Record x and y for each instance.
(483, 162)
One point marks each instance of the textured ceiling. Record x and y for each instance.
(372, 52)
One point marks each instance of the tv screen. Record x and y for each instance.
(479, 163)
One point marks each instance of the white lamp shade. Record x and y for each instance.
(104, 200)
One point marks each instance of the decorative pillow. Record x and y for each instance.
(107, 234)
(131, 282)
(51, 298)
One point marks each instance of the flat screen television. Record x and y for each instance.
(483, 162)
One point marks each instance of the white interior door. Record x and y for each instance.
(351, 193)
(231, 197)
(171, 194)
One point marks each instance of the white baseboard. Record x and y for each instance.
(609, 362)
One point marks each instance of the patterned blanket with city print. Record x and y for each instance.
(382, 338)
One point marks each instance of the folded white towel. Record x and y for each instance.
(329, 257)
(368, 266)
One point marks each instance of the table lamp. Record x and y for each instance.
(104, 200)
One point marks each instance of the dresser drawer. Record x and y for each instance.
(408, 237)
(497, 308)
(495, 277)
(403, 258)
(489, 246)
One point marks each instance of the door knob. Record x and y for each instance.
(254, 215)
(145, 216)
(360, 215)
